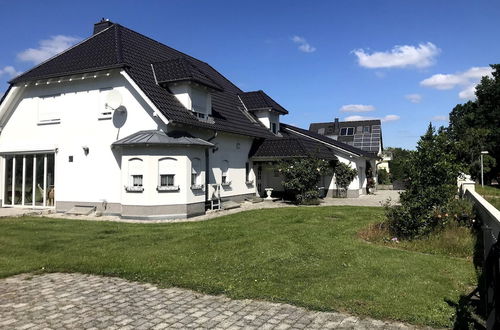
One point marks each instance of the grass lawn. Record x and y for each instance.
(305, 256)
(491, 194)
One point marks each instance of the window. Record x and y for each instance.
(196, 174)
(137, 180)
(166, 174)
(135, 172)
(274, 128)
(199, 101)
(48, 110)
(167, 180)
(105, 111)
(247, 172)
(347, 131)
(224, 169)
(366, 129)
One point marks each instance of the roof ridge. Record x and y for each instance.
(118, 43)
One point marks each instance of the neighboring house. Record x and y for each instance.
(135, 128)
(363, 134)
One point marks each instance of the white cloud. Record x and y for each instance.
(357, 108)
(383, 119)
(421, 56)
(414, 98)
(467, 80)
(304, 46)
(440, 118)
(10, 71)
(47, 48)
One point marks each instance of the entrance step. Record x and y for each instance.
(254, 199)
(81, 210)
(230, 205)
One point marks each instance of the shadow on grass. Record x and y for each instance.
(469, 311)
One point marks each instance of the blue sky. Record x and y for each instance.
(407, 62)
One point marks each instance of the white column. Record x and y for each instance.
(23, 180)
(44, 180)
(34, 182)
(13, 179)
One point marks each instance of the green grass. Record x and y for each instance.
(491, 194)
(306, 256)
(453, 240)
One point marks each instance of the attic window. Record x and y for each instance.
(273, 125)
(347, 131)
(48, 110)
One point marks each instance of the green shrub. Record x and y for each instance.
(344, 175)
(433, 170)
(310, 197)
(383, 177)
(300, 177)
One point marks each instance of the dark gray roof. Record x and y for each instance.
(152, 137)
(296, 142)
(181, 69)
(120, 47)
(259, 100)
(370, 141)
(325, 139)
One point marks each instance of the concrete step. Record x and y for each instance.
(230, 205)
(80, 210)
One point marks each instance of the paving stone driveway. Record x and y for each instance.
(76, 301)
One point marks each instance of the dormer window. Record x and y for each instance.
(347, 131)
(188, 83)
(264, 108)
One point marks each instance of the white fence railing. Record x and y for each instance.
(489, 218)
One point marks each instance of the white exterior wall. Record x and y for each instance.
(268, 117)
(359, 182)
(88, 178)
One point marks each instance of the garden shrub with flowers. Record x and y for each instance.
(429, 200)
(300, 178)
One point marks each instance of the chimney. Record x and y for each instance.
(336, 126)
(102, 25)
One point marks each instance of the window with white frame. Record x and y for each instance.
(224, 169)
(135, 174)
(196, 173)
(347, 131)
(104, 111)
(166, 174)
(49, 109)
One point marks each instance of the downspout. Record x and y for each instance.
(207, 168)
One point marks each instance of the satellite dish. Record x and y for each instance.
(114, 100)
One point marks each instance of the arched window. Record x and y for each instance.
(166, 172)
(135, 174)
(224, 169)
(195, 172)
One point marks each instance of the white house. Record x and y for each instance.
(135, 128)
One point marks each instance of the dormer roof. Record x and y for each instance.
(182, 69)
(258, 100)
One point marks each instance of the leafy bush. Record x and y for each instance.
(308, 198)
(383, 177)
(344, 175)
(300, 177)
(432, 171)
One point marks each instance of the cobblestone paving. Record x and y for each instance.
(76, 301)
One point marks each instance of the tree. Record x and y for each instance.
(301, 175)
(398, 164)
(432, 173)
(475, 127)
